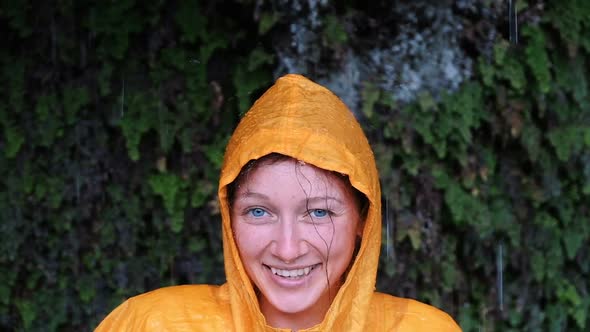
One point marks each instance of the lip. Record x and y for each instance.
(291, 282)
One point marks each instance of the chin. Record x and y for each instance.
(293, 304)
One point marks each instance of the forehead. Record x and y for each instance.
(295, 175)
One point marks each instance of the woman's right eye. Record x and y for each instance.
(257, 212)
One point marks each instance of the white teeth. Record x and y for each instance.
(291, 273)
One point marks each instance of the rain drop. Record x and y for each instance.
(500, 275)
(513, 22)
(388, 232)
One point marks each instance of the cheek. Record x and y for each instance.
(346, 238)
(240, 236)
(341, 239)
(249, 242)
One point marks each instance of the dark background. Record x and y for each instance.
(115, 115)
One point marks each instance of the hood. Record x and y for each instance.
(301, 119)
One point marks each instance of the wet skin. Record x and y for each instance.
(295, 226)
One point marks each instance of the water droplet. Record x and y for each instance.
(513, 22)
(122, 110)
(500, 275)
(78, 185)
(388, 233)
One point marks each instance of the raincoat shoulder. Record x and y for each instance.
(390, 313)
(178, 308)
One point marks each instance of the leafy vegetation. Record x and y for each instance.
(116, 115)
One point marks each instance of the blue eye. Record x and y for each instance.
(318, 213)
(257, 212)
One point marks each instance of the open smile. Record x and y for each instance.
(292, 273)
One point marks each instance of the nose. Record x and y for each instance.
(289, 244)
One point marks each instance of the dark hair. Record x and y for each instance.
(232, 188)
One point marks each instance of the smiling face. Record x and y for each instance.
(295, 226)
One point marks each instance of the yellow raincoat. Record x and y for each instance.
(304, 120)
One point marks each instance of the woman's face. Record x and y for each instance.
(295, 226)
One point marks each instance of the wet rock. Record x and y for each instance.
(405, 48)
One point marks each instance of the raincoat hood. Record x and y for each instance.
(301, 119)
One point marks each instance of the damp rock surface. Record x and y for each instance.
(404, 48)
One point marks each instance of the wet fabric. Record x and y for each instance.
(303, 120)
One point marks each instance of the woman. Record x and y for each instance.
(300, 203)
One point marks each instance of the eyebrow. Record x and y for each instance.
(324, 198)
(248, 194)
(253, 194)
